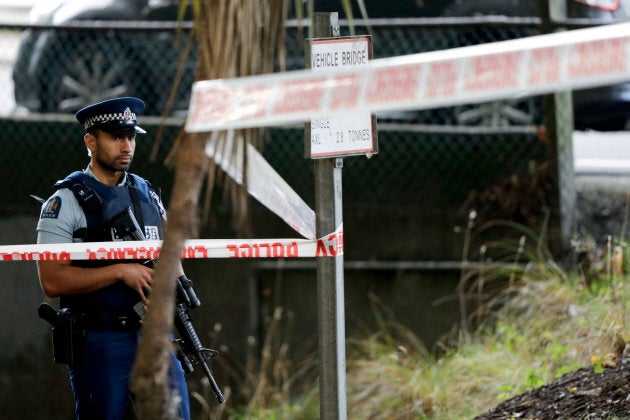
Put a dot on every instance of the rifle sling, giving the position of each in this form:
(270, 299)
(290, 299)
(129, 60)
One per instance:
(137, 210)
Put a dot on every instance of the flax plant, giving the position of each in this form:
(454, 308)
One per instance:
(235, 38)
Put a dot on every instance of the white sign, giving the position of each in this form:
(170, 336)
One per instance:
(343, 133)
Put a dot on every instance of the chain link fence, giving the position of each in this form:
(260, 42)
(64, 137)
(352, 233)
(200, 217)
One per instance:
(402, 204)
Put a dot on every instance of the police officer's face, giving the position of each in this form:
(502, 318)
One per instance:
(112, 151)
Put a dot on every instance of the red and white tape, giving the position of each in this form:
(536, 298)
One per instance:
(328, 246)
(527, 66)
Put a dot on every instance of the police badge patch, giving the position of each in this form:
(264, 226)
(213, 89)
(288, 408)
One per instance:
(51, 208)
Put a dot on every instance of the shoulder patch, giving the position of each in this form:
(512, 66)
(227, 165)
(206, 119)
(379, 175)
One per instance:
(51, 208)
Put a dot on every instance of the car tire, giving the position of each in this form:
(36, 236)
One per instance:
(85, 72)
(497, 114)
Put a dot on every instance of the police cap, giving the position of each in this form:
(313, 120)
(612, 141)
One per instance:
(116, 115)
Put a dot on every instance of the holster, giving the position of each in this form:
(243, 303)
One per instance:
(67, 338)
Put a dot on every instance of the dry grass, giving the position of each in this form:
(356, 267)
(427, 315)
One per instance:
(541, 324)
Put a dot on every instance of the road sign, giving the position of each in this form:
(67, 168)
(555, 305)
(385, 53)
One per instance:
(344, 133)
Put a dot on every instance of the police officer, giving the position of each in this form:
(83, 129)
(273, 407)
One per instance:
(107, 298)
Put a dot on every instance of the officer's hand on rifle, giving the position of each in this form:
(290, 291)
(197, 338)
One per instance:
(127, 228)
(137, 276)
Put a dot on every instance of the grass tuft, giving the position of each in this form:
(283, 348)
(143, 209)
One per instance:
(526, 321)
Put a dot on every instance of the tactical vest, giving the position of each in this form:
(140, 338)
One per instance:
(100, 203)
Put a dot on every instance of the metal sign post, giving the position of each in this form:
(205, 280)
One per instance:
(330, 293)
(330, 283)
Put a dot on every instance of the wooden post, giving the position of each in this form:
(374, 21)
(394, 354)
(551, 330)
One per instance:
(558, 111)
(330, 279)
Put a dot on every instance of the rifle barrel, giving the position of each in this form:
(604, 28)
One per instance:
(187, 332)
(213, 383)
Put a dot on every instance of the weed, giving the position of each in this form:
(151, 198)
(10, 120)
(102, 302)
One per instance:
(529, 322)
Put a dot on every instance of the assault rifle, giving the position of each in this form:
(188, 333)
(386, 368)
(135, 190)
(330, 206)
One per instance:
(125, 227)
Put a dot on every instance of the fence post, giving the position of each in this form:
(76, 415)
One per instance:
(558, 115)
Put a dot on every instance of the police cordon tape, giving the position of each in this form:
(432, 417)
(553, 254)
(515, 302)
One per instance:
(330, 245)
(263, 182)
(523, 67)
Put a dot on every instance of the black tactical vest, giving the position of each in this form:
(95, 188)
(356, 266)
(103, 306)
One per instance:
(101, 203)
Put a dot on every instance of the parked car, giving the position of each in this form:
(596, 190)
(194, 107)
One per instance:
(61, 69)
(604, 108)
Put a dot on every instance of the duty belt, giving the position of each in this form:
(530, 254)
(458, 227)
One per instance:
(109, 320)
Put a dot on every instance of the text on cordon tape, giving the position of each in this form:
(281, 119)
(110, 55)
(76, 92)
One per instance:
(330, 245)
(523, 67)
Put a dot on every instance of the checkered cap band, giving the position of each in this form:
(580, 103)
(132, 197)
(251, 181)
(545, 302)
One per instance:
(123, 118)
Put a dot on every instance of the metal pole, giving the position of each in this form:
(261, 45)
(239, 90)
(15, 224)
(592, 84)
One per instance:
(330, 281)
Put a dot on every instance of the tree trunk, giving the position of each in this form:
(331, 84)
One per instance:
(149, 382)
(235, 38)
